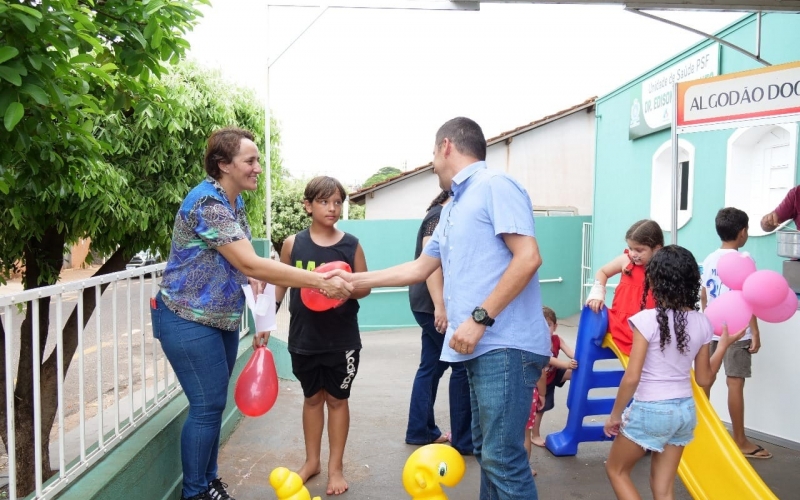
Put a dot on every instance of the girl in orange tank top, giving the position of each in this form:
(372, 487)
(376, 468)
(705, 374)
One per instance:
(644, 238)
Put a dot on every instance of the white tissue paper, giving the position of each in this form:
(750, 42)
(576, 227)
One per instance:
(263, 307)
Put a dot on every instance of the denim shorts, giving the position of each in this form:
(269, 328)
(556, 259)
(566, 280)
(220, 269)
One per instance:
(655, 424)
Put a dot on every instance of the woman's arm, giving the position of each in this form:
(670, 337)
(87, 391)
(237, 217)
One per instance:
(435, 284)
(286, 257)
(243, 257)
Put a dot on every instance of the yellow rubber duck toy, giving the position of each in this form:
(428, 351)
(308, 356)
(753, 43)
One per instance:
(430, 467)
(288, 485)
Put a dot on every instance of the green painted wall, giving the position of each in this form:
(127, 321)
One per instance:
(386, 243)
(623, 166)
(559, 241)
(390, 242)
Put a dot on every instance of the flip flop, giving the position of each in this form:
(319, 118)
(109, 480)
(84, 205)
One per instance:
(755, 453)
(444, 438)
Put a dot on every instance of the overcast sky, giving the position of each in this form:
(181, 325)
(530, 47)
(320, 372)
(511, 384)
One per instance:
(363, 89)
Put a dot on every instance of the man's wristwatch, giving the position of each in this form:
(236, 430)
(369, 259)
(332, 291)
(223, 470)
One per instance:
(479, 315)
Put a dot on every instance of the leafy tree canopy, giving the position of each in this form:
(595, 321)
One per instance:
(381, 175)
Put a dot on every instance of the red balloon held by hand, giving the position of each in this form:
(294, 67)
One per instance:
(257, 386)
(318, 301)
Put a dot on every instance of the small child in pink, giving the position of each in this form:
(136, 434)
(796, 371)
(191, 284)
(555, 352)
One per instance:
(539, 393)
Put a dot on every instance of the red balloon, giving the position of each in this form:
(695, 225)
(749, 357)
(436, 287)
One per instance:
(316, 301)
(257, 386)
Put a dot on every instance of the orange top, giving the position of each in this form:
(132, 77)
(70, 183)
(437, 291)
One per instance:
(627, 302)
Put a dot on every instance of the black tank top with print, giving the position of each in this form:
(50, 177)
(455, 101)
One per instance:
(334, 330)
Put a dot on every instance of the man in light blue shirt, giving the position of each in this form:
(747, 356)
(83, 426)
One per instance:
(486, 246)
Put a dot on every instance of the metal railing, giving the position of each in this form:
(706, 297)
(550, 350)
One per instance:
(586, 261)
(122, 377)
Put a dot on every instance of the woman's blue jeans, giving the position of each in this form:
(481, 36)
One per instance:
(202, 358)
(501, 388)
(422, 428)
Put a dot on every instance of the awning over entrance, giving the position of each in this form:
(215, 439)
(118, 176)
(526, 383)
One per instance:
(719, 5)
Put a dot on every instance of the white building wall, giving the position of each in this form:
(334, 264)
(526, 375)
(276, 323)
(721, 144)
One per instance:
(554, 162)
(406, 199)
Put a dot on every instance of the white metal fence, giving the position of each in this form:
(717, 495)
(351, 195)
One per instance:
(118, 376)
(586, 261)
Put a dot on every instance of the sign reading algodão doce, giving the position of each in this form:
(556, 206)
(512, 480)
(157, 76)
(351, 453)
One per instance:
(760, 93)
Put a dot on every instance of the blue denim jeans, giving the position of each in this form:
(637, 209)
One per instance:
(422, 428)
(203, 359)
(655, 424)
(501, 388)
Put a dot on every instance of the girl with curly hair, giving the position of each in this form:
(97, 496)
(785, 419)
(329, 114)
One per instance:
(666, 340)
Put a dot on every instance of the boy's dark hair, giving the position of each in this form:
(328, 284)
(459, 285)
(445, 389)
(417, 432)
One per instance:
(646, 232)
(466, 136)
(222, 146)
(730, 222)
(549, 315)
(323, 187)
(673, 276)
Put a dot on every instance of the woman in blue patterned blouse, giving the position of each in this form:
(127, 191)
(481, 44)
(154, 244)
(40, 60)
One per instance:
(197, 312)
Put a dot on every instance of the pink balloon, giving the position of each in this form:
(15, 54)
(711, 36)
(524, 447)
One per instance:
(764, 289)
(781, 312)
(730, 308)
(733, 268)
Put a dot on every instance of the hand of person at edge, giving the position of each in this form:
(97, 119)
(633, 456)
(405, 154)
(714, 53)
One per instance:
(260, 338)
(256, 285)
(440, 320)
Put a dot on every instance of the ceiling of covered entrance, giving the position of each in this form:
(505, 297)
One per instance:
(729, 5)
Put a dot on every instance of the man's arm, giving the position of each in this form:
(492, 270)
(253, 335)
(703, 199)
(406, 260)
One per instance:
(525, 261)
(435, 284)
(409, 273)
(783, 212)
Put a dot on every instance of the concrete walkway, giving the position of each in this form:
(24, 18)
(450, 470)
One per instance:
(376, 452)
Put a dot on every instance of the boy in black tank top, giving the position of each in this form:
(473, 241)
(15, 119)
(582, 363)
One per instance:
(324, 346)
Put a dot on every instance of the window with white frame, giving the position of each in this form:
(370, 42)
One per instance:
(661, 184)
(760, 169)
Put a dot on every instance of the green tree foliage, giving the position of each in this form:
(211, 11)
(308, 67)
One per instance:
(356, 212)
(288, 215)
(381, 175)
(100, 141)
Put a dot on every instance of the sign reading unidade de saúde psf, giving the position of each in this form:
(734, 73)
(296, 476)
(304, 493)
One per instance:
(651, 103)
(759, 93)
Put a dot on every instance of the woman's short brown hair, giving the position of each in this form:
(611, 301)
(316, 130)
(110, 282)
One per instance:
(223, 145)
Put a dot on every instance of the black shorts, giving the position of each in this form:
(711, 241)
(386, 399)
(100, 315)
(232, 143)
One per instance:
(332, 371)
(549, 399)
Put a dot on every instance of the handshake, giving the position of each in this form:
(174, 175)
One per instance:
(337, 280)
